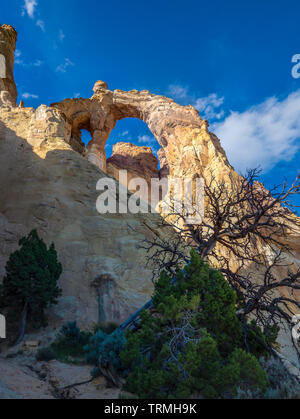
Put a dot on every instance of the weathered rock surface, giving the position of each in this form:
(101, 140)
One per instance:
(17, 382)
(139, 162)
(46, 185)
(8, 90)
(187, 147)
(22, 377)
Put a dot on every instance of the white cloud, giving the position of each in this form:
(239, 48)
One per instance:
(76, 95)
(41, 24)
(262, 135)
(29, 7)
(124, 136)
(177, 91)
(145, 139)
(29, 96)
(208, 107)
(62, 68)
(37, 63)
(61, 35)
(19, 61)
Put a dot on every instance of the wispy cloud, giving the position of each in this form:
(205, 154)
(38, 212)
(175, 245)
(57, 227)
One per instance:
(19, 61)
(41, 24)
(29, 96)
(177, 92)
(37, 63)
(61, 35)
(29, 7)
(124, 136)
(76, 95)
(146, 139)
(17, 57)
(263, 135)
(62, 68)
(208, 106)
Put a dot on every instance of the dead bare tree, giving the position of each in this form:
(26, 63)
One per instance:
(242, 220)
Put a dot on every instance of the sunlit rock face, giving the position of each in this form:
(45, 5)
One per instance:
(187, 146)
(8, 90)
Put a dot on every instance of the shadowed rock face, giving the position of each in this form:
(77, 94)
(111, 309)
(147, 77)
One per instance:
(139, 162)
(46, 185)
(8, 90)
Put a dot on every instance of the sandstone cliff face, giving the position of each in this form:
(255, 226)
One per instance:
(47, 185)
(48, 182)
(139, 160)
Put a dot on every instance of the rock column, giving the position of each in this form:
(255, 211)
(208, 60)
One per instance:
(8, 90)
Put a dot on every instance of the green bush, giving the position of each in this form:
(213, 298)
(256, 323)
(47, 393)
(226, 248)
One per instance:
(255, 336)
(71, 334)
(193, 342)
(70, 342)
(281, 384)
(107, 328)
(104, 349)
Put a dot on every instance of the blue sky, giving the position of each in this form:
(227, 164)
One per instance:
(231, 60)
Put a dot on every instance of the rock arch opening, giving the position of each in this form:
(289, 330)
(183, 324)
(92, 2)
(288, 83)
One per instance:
(86, 137)
(131, 130)
(175, 127)
(81, 134)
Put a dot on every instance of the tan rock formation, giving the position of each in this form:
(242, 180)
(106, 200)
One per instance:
(8, 90)
(139, 162)
(187, 145)
(46, 185)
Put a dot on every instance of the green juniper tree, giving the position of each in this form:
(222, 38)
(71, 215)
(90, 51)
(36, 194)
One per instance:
(30, 283)
(192, 340)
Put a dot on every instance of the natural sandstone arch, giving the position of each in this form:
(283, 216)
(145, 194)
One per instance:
(2, 67)
(186, 144)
